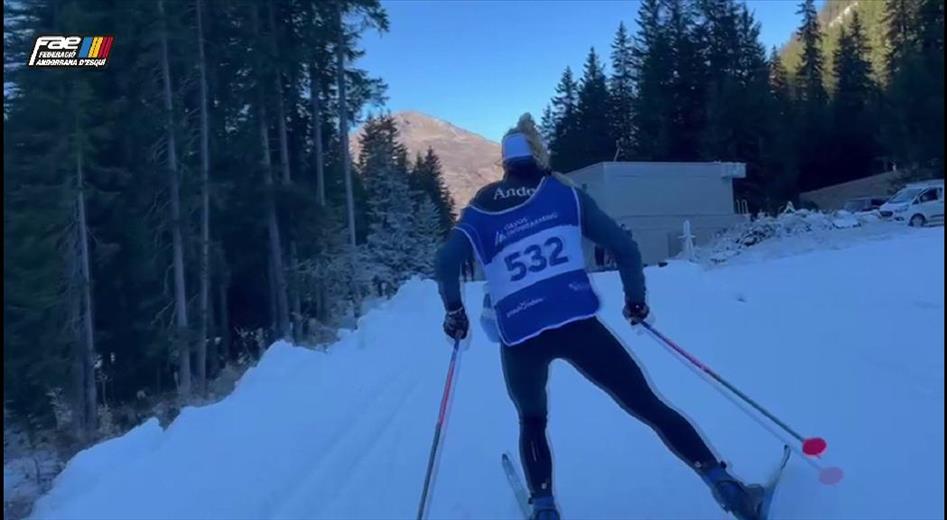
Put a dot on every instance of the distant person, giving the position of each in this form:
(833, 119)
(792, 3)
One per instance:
(527, 232)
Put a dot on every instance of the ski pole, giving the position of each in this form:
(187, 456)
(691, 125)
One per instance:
(812, 446)
(828, 475)
(445, 398)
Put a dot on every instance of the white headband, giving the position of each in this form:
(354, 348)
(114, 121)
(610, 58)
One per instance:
(516, 146)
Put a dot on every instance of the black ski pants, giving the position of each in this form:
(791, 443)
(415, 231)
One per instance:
(599, 356)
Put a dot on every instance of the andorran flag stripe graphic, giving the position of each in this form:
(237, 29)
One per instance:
(92, 46)
(96, 47)
(106, 47)
(86, 45)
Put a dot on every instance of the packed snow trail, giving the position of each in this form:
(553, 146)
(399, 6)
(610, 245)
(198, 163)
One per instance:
(845, 343)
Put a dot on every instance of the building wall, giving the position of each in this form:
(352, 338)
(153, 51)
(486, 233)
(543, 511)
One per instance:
(659, 238)
(654, 199)
(657, 194)
(590, 176)
(834, 197)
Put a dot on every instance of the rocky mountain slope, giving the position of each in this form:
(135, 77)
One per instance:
(469, 160)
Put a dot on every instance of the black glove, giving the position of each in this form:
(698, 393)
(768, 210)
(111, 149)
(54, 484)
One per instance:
(455, 323)
(636, 313)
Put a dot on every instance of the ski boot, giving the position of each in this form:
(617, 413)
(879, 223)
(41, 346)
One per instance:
(736, 498)
(544, 508)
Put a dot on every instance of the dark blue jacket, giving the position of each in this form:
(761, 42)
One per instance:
(514, 189)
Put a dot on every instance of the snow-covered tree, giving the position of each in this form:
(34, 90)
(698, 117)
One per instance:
(386, 256)
(428, 180)
(427, 235)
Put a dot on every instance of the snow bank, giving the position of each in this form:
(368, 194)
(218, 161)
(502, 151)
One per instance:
(87, 467)
(845, 341)
(26, 475)
(795, 231)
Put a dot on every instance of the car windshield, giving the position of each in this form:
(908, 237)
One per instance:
(905, 195)
(855, 205)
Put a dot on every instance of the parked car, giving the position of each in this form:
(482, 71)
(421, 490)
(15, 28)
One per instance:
(863, 204)
(918, 203)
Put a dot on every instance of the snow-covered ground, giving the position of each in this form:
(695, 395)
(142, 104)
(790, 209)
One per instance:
(844, 341)
(28, 469)
(790, 233)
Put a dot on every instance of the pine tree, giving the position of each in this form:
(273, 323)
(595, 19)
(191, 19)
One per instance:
(900, 35)
(853, 107)
(651, 58)
(755, 134)
(719, 38)
(547, 125)
(343, 117)
(812, 99)
(621, 93)
(780, 86)
(275, 234)
(387, 255)
(780, 158)
(931, 120)
(686, 84)
(315, 34)
(593, 129)
(930, 30)
(280, 67)
(182, 331)
(811, 90)
(914, 113)
(851, 67)
(428, 234)
(738, 126)
(328, 283)
(563, 147)
(205, 268)
(725, 96)
(428, 178)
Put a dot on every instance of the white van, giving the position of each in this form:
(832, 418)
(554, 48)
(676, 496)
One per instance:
(918, 203)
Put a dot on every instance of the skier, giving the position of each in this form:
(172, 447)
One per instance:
(526, 231)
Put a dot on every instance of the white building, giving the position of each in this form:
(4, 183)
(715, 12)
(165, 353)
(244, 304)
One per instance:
(654, 199)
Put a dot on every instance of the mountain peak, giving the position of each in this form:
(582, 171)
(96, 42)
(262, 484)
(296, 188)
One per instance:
(416, 115)
(469, 161)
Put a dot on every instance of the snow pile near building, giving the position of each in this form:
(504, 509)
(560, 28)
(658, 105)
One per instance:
(794, 231)
(846, 342)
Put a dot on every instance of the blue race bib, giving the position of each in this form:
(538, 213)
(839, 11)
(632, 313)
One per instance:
(533, 259)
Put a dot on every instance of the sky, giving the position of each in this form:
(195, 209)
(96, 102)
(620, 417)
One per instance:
(479, 64)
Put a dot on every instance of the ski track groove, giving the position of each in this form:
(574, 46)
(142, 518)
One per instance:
(346, 446)
(388, 423)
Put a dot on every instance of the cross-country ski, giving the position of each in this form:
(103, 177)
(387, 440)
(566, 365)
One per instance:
(516, 485)
(769, 488)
